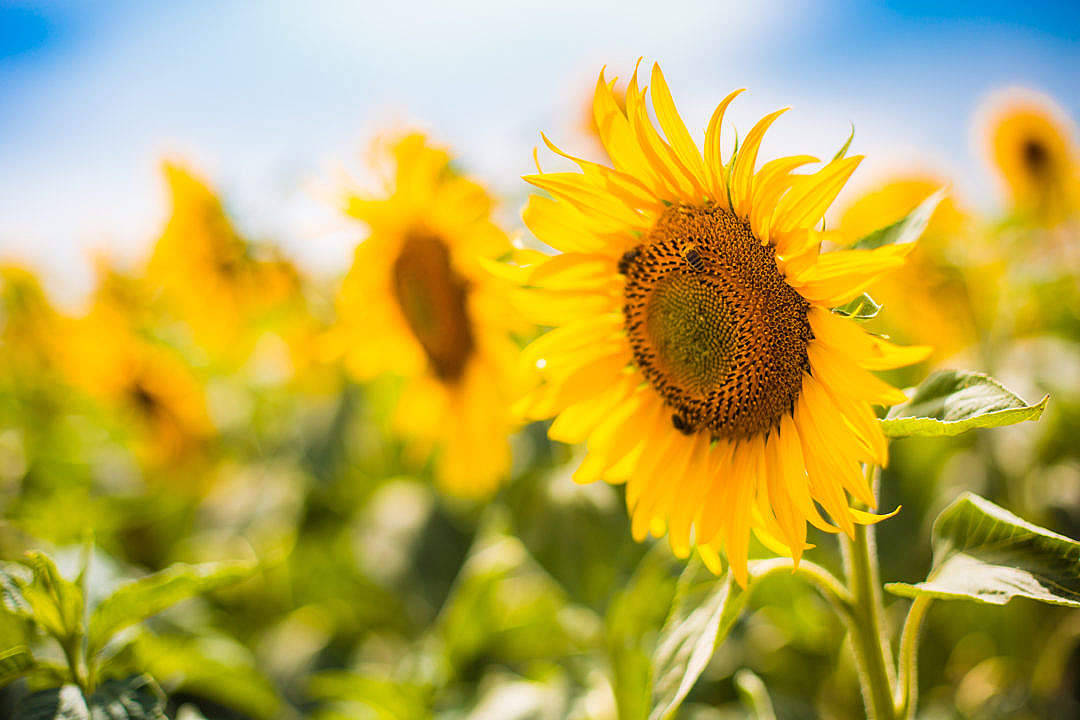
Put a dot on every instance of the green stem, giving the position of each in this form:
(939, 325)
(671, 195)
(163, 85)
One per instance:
(867, 632)
(71, 646)
(908, 685)
(824, 581)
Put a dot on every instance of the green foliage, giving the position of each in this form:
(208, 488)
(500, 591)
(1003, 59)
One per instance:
(139, 599)
(905, 230)
(216, 668)
(15, 663)
(633, 616)
(950, 402)
(703, 613)
(135, 698)
(55, 603)
(754, 695)
(386, 699)
(983, 552)
(61, 703)
(36, 591)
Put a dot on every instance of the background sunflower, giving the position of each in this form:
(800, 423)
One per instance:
(419, 303)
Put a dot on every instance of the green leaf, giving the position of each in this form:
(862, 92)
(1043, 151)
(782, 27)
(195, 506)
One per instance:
(703, 613)
(15, 663)
(11, 595)
(754, 695)
(906, 230)
(135, 698)
(385, 698)
(61, 703)
(137, 600)
(950, 402)
(57, 603)
(983, 552)
(636, 610)
(215, 668)
(861, 308)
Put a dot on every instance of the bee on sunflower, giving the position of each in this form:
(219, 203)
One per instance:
(419, 302)
(1029, 142)
(694, 348)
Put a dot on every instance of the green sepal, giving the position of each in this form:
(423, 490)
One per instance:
(862, 307)
(846, 146)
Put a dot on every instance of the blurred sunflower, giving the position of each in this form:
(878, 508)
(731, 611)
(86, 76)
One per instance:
(218, 284)
(418, 302)
(28, 321)
(931, 287)
(1030, 145)
(694, 348)
(110, 354)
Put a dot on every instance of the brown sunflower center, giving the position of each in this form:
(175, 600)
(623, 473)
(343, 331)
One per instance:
(143, 399)
(712, 323)
(1036, 157)
(432, 297)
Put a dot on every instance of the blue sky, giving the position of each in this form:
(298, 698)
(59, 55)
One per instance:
(267, 99)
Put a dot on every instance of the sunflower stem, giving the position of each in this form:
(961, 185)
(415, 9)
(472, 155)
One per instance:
(872, 655)
(908, 683)
(823, 581)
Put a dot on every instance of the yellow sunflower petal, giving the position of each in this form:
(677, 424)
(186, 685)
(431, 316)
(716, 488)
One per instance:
(674, 128)
(869, 351)
(837, 277)
(805, 204)
(742, 173)
(714, 161)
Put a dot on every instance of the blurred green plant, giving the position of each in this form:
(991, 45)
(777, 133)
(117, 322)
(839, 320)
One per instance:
(54, 612)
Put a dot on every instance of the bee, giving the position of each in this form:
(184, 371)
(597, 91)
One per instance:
(628, 259)
(693, 258)
(681, 424)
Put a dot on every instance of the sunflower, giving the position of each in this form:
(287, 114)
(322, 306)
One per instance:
(694, 349)
(112, 355)
(213, 280)
(931, 286)
(28, 322)
(1030, 144)
(419, 303)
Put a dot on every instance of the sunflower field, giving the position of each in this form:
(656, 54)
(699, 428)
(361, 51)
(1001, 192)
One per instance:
(672, 421)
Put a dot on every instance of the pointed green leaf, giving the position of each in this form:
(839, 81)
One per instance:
(14, 663)
(703, 613)
(134, 602)
(862, 307)
(906, 230)
(983, 552)
(57, 603)
(950, 402)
